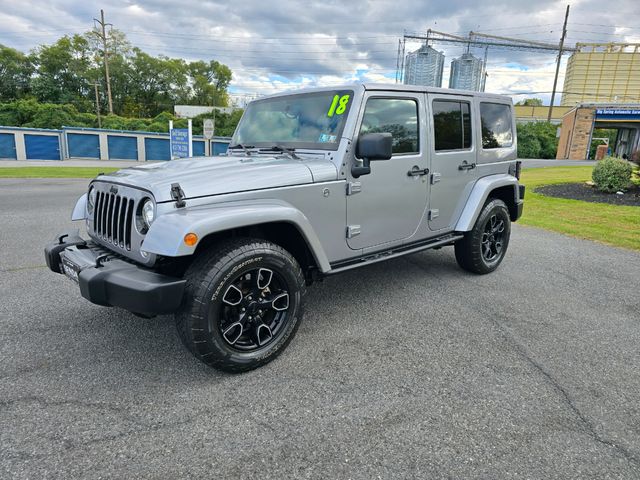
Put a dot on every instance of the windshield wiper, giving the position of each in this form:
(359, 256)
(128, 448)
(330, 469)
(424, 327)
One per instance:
(280, 148)
(245, 148)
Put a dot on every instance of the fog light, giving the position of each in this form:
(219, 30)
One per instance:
(190, 239)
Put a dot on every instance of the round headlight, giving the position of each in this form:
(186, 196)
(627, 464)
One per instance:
(91, 200)
(148, 213)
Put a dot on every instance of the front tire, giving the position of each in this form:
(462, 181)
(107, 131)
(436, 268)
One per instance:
(483, 248)
(242, 305)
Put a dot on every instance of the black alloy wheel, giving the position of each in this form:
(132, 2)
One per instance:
(482, 249)
(492, 238)
(242, 304)
(254, 309)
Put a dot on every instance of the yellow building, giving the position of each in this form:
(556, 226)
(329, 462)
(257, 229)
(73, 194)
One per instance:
(602, 72)
(539, 113)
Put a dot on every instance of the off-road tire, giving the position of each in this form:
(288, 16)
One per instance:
(470, 254)
(198, 319)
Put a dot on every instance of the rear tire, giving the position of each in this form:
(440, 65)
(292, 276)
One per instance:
(483, 248)
(242, 304)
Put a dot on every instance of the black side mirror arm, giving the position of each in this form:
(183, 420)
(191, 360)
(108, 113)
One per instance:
(365, 169)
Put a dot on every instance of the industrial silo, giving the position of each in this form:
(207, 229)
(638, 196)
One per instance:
(467, 73)
(424, 67)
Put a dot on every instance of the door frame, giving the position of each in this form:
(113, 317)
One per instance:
(421, 159)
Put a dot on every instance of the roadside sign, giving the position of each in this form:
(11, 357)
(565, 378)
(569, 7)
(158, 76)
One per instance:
(207, 129)
(179, 142)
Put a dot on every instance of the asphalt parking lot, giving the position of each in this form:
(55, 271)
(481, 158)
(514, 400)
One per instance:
(410, 368)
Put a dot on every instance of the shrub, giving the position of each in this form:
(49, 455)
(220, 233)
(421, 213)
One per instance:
(611, 175)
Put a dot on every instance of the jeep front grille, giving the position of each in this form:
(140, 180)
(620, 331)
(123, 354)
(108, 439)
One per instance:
(113, 219)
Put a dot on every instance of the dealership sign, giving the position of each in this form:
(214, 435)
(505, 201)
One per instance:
(179, 142)
(618, 113)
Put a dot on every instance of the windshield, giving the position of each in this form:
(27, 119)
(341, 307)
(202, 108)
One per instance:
(305, 120)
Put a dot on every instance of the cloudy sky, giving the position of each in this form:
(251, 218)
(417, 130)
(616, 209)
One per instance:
(275, 45)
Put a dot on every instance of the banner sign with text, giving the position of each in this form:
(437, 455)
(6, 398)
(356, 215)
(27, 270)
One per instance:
(618, 114)
(179, 142)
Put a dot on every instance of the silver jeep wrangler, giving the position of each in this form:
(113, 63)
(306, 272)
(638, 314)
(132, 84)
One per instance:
(314, 183)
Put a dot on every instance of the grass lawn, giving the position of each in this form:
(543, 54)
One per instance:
(53, 172)
(610, 224)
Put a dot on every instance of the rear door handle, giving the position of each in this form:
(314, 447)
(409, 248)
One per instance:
(416, 171)
(466, 166)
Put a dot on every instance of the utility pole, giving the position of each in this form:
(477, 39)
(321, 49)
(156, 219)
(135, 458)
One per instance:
(555, 80)
(103, 37)
(95, 85)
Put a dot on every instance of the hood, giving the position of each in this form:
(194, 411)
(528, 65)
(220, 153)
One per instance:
(204, 176)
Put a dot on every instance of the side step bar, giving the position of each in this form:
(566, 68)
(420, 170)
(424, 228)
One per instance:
(393, 253)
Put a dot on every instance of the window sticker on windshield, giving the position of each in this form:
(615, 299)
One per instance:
(325, 138)
(338, 105)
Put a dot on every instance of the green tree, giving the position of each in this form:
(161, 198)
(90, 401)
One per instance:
(537, 140)
(530, 102)
(63, 72)
(15, 74)
(155, 83)
(119, 50)
(209, 83)
(142, 85)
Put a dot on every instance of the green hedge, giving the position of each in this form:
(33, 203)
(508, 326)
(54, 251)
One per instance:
(32, 114)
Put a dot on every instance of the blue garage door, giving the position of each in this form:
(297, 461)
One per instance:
(82, 145)
(7, 146)
(219, 147)
(198, 148)
(156, 149)
(122, 148)
(42, 147)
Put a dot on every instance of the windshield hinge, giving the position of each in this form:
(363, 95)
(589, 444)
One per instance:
(178, 195)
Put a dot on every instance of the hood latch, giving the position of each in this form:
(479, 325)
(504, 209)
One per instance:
(178, 195)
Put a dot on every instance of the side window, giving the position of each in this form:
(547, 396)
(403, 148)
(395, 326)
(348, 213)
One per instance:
(496, 125)
(394, 115)
(451, 125)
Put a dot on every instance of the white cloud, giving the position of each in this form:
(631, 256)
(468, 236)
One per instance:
(281, 44)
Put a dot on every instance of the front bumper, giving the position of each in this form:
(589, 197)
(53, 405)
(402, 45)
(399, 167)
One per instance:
(106, 279)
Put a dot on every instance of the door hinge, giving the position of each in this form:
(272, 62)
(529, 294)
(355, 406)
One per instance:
(353, 188)
(435, 178)
(353, 230)
(433, 214)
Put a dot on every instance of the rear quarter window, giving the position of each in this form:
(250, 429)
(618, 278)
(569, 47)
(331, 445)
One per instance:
(497, 130)
(451, 125)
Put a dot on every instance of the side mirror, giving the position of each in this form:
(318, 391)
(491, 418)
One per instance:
(372, 146)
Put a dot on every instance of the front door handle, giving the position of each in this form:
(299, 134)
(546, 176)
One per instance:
(466, 166)
(416, 171)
